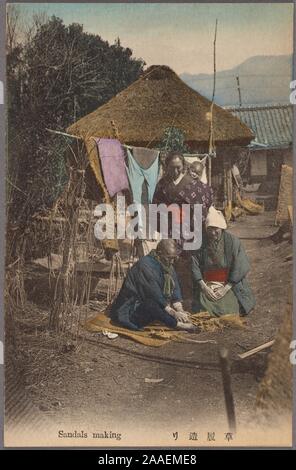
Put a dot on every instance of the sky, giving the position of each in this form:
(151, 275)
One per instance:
(181, 35)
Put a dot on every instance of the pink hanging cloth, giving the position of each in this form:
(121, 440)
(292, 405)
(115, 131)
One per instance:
(113, 166)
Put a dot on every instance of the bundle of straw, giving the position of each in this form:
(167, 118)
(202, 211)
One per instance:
(250, 206)
(208, 322)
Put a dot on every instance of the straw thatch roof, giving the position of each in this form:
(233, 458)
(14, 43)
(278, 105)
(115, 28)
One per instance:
(157, 100)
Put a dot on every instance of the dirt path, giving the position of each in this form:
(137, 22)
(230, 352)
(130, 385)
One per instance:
(103, 382)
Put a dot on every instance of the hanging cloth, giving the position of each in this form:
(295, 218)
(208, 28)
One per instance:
(138, 174)
(145, 157)
(92, 153)
(113, 165)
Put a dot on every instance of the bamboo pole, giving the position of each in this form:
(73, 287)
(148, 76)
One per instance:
(210, 171)
(211, 140)
(226, 378)
(64, 134)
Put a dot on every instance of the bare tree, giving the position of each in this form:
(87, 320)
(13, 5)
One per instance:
(21, 28)
(33, 24)
(13, 15)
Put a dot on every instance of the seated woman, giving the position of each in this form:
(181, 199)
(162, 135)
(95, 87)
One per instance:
(151, 292)
(219, 270)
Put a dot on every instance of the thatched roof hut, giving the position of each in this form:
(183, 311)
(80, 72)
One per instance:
(157, 100)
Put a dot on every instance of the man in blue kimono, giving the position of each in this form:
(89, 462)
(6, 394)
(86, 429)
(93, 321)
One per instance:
(219, 270)
(151, 292)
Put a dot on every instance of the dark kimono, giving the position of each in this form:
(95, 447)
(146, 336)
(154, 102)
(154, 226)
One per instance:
(231, 267)
(142, 294)
(187, 191)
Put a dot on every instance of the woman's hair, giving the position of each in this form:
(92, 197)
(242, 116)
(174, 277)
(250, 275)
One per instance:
(172, 156)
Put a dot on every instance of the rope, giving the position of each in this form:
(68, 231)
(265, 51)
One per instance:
(214, 366)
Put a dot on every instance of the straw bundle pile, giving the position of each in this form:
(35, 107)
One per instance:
(207, 322)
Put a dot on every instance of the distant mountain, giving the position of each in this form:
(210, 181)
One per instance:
(262, 79)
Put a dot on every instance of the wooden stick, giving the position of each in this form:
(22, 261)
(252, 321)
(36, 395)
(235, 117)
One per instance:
(229, 402)
(214, 84)
(255, 350)
(211, 141)
(64, 134)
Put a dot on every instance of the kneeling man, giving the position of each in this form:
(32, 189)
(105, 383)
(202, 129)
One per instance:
(151, 292)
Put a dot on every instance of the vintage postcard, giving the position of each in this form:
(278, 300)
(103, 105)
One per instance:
(149, 220)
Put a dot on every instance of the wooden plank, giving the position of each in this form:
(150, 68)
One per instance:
(255, 350)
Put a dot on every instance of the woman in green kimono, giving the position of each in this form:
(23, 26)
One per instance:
(219, 270)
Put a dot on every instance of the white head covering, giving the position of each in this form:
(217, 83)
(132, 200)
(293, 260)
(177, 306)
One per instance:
(215, 219)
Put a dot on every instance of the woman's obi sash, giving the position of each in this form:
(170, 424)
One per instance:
(216, 275)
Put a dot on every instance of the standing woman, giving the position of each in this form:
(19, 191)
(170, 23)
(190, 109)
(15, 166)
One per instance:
(178, 187)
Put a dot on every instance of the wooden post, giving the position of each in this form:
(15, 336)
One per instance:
(210, 171)
(226, 378)
(229, 179)
(227, 188)
(239, 90)
(212, 138)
